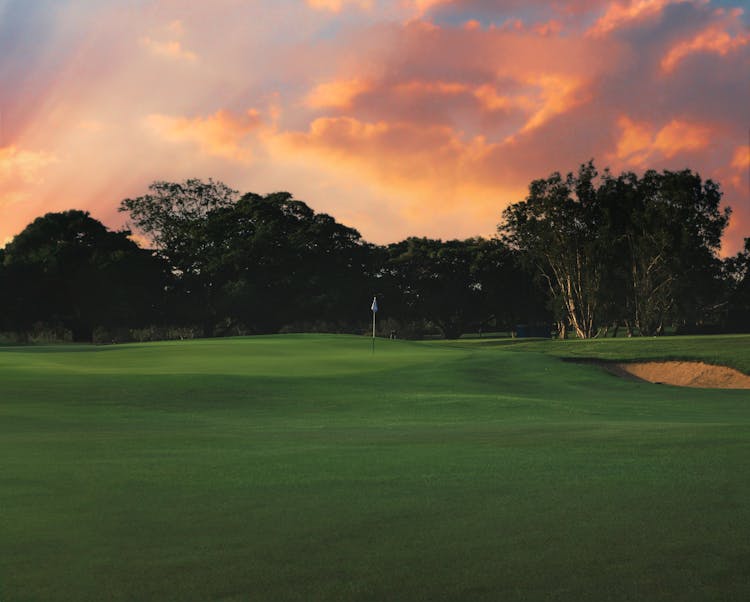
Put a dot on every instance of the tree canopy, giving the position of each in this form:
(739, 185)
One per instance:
(67, 269)
(588, 251)
(643, 251)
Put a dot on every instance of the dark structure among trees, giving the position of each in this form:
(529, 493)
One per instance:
(591, 253)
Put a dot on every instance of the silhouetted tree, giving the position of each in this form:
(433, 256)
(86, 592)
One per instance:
(458, 285)
(68, 269)
(174, 217)
(672, 236)
(260, 261)
(737, 278)
(277, 262)
(559, 229)
(640, 250)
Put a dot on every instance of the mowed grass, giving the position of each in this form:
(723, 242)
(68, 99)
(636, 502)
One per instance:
(307, 468)
(722, 350)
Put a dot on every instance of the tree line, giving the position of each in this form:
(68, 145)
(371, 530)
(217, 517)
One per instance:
(585, 253)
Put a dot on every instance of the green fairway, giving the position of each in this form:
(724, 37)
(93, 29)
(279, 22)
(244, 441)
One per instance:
(303, 467)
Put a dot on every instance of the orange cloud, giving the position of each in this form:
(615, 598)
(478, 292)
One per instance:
(335, 6)
(741, 157)
(25, 166)
(431, 87)
(735, 181)
(427, 176)
(740, 166)
(21, 174)
(557, 94)
(680, 136)
(222, 134)
(622, 13)
(551, 27)
(361, 140)
(545, 97)
(402, 154)
(739, 169)
(337, 94)
(171, 49)
(490, 100)
(639, 142)
(408, 127)
(713, 39)
(422, 6)
(635, 140)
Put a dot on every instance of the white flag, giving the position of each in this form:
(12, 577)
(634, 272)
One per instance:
(374, 306)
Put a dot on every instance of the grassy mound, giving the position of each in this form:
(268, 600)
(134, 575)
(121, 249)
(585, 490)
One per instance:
(307, 468)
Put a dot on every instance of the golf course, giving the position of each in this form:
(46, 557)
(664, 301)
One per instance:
(307, 467)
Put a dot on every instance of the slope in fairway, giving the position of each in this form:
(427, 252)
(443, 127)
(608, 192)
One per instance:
(306, 468)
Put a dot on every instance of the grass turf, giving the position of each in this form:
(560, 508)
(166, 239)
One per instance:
(305, 468)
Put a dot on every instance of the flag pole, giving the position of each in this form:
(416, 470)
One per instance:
(374, 308)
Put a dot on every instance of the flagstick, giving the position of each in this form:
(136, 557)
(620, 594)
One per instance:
(374, 309)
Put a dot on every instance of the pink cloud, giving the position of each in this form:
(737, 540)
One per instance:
(421, 7)
(551, 27)
(336, 6)
(641, 142)
(558, 93)
(392, 113)
(619, 14)
(23, 166)
(681, 136)
(713, 39)
(741, 157)
(222, 134)
(171, 49)
(337, 94)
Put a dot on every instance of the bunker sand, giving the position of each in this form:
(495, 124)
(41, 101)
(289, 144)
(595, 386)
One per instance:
(683, 374)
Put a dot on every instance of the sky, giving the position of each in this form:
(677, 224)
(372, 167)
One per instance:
(397, 117)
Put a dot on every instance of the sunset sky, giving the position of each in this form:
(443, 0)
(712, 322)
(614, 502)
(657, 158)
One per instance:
(397, 117)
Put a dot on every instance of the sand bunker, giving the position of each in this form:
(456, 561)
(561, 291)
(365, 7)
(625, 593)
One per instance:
(684, 374)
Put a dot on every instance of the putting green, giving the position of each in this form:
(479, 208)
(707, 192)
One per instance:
(303, 467)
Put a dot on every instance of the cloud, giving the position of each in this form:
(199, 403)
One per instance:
(714, 39)
(22, 173)
(421, 7)
(392, 113)
(398, 156)
(640, 142)
(336, 94)
(18, 166)
(557, 95)
(171, 49)
(741, 157)
(738, 175)
(735, 180)
(396, 152)
(551, 27)
(619, 14)
(635, 141)
(222, 134)
(420, 180)
(336, 6)
(680, 136)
